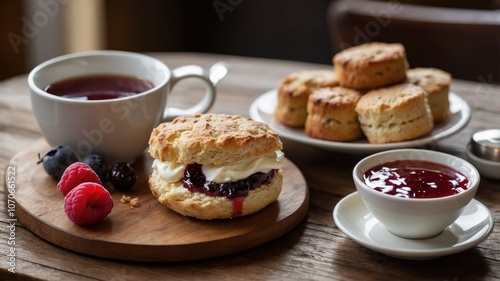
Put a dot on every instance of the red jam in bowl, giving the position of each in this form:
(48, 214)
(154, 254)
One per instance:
(415, 179)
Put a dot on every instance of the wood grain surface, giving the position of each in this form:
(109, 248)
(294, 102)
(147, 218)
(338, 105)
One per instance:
(314, 250)
(150, 231)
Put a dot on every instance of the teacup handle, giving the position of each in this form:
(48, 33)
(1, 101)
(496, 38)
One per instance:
(212, 77)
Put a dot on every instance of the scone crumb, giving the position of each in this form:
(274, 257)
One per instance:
(134, 202)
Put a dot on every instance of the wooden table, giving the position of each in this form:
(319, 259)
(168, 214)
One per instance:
(315, 250)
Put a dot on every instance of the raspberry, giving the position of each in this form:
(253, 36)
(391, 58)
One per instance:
(88, 203)
(76, 174)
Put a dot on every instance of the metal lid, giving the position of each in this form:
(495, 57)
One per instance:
(486, 144)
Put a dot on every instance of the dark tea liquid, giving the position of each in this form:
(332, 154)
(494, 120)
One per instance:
(99, 87)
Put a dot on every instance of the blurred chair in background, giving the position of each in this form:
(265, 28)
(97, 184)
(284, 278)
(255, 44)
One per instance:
(463, 42)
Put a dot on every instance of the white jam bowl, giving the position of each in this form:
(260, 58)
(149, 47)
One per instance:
(415, 218)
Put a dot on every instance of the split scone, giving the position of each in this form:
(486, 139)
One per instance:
(215, 166)
(436, 84)
(371, 65)
(332, 115)
(396, 113)
(294, 90)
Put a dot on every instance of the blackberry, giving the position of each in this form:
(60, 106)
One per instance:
(122, 176)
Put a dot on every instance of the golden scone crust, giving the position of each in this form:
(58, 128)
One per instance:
(332, 114)
(395, 113)
(294, 90)
(436, 84)
(194, 204)
(216, 139)
(371, 65)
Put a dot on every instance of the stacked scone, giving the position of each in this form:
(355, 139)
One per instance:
(215, 166)
(332, 115)
(395, 113)
(293, 93)
(376, 97)
(436, 84)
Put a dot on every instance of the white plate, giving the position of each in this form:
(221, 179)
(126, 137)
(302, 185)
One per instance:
(471, 228)
(262, 110)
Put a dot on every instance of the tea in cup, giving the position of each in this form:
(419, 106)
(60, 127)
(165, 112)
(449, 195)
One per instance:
(108, 102)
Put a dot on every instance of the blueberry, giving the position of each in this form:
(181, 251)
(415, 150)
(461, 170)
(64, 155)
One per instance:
(57, 160)
(98, 163)
(122, 176)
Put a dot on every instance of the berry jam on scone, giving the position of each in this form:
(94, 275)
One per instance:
(215, 166)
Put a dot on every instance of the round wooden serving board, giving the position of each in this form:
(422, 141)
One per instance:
(149, 232)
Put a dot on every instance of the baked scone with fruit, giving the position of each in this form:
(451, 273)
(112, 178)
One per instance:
(294, 90)
(396, 113)
(436, 84)
(332, 115)
(371, 65)
(215, 166)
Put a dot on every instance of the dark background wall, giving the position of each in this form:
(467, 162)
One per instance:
(282, 29)
(12, 59)
(293, 29)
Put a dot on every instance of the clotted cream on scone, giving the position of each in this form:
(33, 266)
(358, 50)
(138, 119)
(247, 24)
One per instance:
(215, 166)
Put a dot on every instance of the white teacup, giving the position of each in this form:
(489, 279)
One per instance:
(117, 128)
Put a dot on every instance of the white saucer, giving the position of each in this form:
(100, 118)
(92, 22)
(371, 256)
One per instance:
(473, 227)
